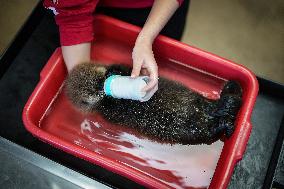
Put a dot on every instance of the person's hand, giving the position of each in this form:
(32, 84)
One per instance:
(142, 55)
(144, 63)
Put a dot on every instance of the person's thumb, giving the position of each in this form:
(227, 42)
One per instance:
(136, 69)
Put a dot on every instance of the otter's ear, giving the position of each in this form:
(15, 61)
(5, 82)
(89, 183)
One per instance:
(101, 70)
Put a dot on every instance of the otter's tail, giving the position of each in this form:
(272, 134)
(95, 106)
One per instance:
(228, 107)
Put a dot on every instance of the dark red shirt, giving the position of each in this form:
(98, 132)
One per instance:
(75, 17)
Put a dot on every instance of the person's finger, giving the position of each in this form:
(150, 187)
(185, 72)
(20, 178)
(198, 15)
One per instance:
(153, 81)
(150, 85)
(136, 69)
(152, 69)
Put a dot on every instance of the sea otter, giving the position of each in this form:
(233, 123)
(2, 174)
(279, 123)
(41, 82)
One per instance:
(175, 114)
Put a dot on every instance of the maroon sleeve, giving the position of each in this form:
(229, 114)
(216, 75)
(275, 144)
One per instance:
(74, 18)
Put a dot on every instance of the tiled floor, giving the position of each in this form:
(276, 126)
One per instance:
(249, 32)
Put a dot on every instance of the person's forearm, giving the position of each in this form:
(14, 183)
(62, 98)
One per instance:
(160, 14)
(76, 54)
(142, 54)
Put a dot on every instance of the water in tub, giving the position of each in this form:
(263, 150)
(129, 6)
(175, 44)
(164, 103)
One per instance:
(175, 165)
(179, 166)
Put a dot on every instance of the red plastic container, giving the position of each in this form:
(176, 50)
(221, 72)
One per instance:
(199, 70)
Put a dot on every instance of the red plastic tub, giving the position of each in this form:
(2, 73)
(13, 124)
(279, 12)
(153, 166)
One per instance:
(49, 116)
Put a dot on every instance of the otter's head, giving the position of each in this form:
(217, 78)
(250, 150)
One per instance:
(84, 85)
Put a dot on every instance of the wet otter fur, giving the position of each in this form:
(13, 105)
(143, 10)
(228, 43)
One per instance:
(175, 114)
